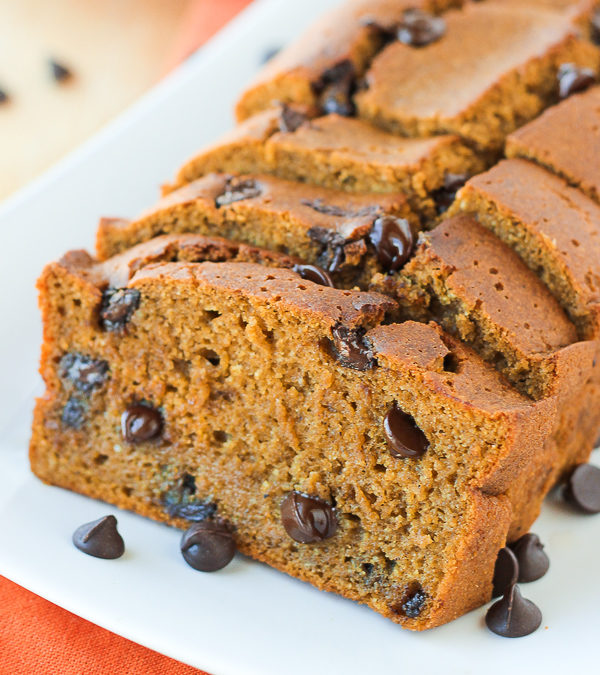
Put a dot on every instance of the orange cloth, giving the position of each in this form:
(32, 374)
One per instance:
(39, 637)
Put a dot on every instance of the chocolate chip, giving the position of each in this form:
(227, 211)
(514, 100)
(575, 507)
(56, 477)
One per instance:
(444, 196)
(59, 71)
(73, 414)
(307, 519)
(418, 28)
(237, 189)
(403, 436)
(320, 206)
(513, 616)
(118, 306)
(572, 79)
(83, 371)
(506, 571)
(208, 546)
(290, 119)
(180, 501)
(533, 562)
(393, 241)
(413, 601)
(351, 349)
(4, 97)
(141, 423)
(314, 274)
(100, 538)
(335, 89)
(583, 488)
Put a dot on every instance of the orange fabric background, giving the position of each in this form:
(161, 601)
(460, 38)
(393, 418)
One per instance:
(39, 637)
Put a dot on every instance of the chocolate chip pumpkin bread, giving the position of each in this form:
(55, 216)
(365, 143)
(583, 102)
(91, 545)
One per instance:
(246, 392)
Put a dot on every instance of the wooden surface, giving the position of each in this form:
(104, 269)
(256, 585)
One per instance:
(116, 49)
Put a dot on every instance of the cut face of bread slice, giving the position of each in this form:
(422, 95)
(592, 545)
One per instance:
(324, 227)
(480, 89)
(252, 389)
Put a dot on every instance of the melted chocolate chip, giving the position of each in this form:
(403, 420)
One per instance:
(572, 79)
(351, 349)
(583, 488)
(141, 423)
(414, 599)
(100, 538)
(393, 241)
(83, 371)
(335, 89)
(444, 196)
(118, 306)
(506, 571)
(314, 274)
(513, 616)
(208, 546)
(418, 28)
(307, 519)
(73, 414)
(4, 97)
(533, 562)
(180, 501)
(59, 71)
(237, 189)
(290, 119)
(403, 436)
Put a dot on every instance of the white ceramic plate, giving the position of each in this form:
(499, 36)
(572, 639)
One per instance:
(247, 619)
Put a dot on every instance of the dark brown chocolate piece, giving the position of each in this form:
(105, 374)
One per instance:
(419, 29)
(506, 571)
(444, 196)
(307, 519)
(403, 436)
(100, 538)
(583, 488)
(290, 119)
(513, 616)
(335, 89)
(533, 562)
(73, 414)
(141, 423)
(351, 349)
(59, 71)
(572, 79)
(314, 274)
(180, 501)
(237, 189)
(83, 371)
(412, 602)
(393, 241)
(208, 546)
(118, 306)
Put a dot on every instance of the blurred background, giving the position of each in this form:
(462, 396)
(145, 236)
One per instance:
(69, 66)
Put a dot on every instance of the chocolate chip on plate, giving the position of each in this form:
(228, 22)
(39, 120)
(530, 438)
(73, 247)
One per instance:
(83, 371)
(208, 546)
(583, 488)
(403, 436)
(419, 29)
(290, 119)
(118, 306)
(350, 348)
(533, 562)
(237, 189)
(572, 79)
(313, 273)
(506, 571)
(444, 196)
(59, 71)
(100, 538)
(513, 616)
(141, 423)
(73, 414)
(307, 519)
(393, 241)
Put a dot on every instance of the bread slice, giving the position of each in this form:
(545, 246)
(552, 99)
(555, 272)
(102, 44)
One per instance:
(253, 384)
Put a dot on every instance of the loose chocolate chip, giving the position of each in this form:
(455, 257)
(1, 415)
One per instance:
(572, 79)
(237, 189)
(59, 71)
(73, 414)
(118, 306)
(208, 546)
(351, 349)
(414, 599)
(290, 119)
(418, 28)
(100, 538)
(307, 519)
(513, 616)
(83, 371)
(314, 274)
(4, 97)
(583, 488)
(506, 571)
(393, 241)
(533, 562)
(141, 423)
(444, 196)
(403, 436)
